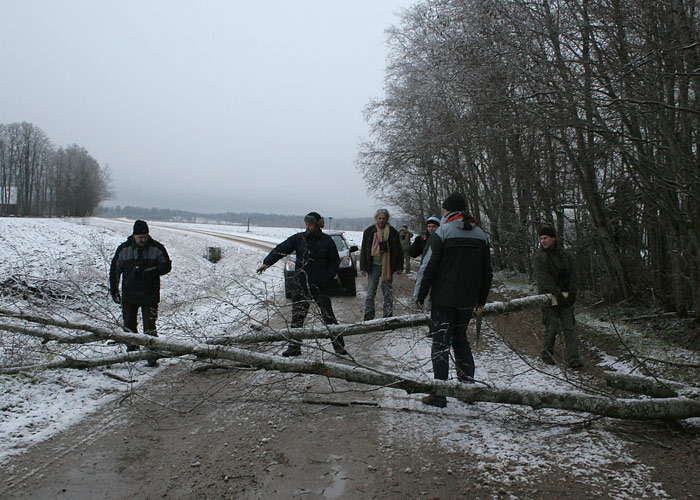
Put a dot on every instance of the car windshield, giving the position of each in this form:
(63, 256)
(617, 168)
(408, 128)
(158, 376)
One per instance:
(339, 242)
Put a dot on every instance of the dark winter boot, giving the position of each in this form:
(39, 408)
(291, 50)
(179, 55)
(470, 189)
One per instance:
(575, 364)
(432, 400)
(339, 347)
(292, 350)
(548, 359)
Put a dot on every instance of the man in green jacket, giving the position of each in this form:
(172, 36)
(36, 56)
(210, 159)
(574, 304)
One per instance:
(555, 274)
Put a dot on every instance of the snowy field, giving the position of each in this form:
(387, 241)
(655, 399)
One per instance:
(70, 260)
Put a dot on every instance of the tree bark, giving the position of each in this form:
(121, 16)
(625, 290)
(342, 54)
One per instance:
(664, 408)
(375, 325)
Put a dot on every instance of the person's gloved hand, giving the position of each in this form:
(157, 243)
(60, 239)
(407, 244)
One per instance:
(561, 300)
(116, 297)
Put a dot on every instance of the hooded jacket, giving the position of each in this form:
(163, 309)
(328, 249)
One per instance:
(456, 268)
(317, 258)
(141, 269)
(554, 271)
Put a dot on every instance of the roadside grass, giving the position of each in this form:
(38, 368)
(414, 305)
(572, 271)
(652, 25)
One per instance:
(654, 347)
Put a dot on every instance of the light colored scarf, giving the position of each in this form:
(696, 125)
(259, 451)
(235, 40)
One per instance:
(382, 235)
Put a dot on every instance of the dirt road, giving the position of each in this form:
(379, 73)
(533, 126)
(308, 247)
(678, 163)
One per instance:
(216, 433)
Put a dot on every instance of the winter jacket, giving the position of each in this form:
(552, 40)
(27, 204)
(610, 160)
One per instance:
(141, 268)
(317, 258)
(396, 254)
(456, 268)
(555, 273)
(405, 239)
(418, 245)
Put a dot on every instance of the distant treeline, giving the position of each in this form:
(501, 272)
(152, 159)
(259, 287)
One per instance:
(36, 178)
(256, 219)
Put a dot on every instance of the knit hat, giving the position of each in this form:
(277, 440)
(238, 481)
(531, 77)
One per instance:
(140, 227)
(548, 231)
(314, 218)
(433, 219)
(455, 203)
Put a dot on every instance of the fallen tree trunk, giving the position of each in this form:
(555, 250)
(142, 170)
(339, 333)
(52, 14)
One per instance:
(667, 408)
(375, 325)
(48, 335)
(655, 387)
(69, 362)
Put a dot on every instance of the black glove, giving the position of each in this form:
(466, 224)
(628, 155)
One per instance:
(571, 299)
(561, 300)
(116, 297)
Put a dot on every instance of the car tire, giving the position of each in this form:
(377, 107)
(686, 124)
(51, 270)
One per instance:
(350, 289)
(287, 288)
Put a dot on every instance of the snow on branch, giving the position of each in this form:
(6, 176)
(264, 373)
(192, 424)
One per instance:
(376, 325)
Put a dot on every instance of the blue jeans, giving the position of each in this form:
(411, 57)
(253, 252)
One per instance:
(449, 326)
(373, 277)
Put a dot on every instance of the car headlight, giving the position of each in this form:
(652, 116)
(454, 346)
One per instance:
(289, 266)
(345, 262)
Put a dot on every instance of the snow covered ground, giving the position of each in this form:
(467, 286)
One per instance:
(70, 259)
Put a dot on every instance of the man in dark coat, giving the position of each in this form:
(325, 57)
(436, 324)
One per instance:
(317, 262)
(380, 257)
(419, 243)
(456, 271)
(555, 274)
(405, 238)
(141, 261)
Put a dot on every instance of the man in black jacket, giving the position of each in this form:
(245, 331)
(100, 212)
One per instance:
(141, 261)
(456, 271)
(420, 242)
(317, 262)
(380, 257)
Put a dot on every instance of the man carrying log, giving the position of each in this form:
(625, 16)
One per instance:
(456, 271)
(555, 274)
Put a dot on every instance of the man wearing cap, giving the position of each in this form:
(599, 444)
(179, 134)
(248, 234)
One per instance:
(418, 248)
(554, 271)
(141, 261)
(405, 238)
(317, 262)
(380, 257)
(456, 272)
(419, 243)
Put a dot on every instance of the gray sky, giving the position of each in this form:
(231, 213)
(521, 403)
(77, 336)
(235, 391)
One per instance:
(207, 106)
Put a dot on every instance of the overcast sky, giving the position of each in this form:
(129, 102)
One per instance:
(208, 106)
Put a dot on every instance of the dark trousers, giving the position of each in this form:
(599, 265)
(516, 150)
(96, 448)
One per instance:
(449, 327)
(301, 300)
(149, 315)
(556, 319)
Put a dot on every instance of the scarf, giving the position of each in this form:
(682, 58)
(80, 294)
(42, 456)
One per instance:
(382, 235)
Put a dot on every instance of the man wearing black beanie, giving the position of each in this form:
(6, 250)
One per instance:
(555, 274)
(456, 273)
(141, 261)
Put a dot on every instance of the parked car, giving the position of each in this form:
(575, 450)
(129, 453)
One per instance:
(344, 282)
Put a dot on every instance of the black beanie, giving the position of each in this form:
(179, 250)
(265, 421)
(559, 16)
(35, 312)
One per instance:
(455, 203)
(548, 231)
(140, 227)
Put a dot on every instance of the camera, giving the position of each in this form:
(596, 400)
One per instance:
(383, 246)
